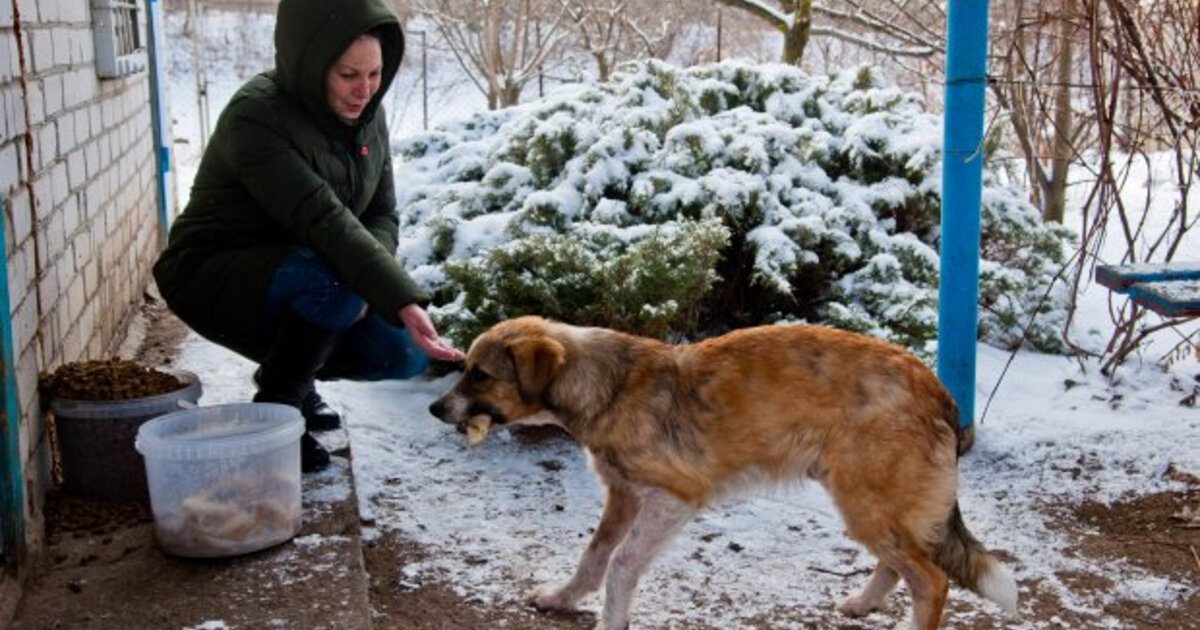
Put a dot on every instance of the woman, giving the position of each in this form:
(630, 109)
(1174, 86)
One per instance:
(285, 252)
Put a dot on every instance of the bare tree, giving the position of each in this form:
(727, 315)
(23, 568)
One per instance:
(1036, 78)
(501, 44)
(897, 28)
(612, 31)
(1144, 83)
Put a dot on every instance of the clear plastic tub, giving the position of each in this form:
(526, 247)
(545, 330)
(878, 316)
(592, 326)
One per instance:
(225, 479)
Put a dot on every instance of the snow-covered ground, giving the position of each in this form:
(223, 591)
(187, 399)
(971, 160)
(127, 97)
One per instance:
(509, 515)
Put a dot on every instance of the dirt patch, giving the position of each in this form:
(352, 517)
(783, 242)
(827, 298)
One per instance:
(164, 333)
(399, 603)
(1150, 532)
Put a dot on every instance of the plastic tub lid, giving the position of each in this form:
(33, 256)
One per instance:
(219, 431)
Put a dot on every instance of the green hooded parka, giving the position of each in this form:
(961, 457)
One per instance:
(281, 170)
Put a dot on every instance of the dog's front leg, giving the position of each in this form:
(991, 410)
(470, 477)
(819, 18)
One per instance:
(660, 516)
(620, 507)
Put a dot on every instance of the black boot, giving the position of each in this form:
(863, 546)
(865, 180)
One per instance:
(313, 456)
(286, 375)
(318, 415)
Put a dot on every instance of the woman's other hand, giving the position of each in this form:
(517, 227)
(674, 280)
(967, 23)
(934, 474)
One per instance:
(420, 329)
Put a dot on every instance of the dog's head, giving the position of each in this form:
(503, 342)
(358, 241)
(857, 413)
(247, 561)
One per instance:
(506, 377)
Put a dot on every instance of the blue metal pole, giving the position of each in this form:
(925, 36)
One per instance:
(158, 115)
(12, 485)
(962, 181)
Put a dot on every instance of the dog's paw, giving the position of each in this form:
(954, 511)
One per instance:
(857, 606)
(552, 598)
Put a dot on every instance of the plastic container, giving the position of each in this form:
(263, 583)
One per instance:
(225, 479)
(95, 440)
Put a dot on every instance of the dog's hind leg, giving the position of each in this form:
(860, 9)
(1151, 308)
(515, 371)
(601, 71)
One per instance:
(620, 507)
(659, 517)
(928, 585)
(872, 597)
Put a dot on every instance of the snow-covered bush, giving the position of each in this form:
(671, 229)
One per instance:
(687, 201)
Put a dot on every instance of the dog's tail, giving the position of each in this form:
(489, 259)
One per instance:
(969, 564)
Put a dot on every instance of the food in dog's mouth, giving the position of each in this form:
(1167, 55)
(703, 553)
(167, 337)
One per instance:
(477, 429)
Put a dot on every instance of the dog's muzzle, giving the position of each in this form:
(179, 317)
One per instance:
(456, 411)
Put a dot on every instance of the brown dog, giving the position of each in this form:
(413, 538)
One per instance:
(670, 428)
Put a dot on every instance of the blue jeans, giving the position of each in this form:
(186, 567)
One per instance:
(370, 349)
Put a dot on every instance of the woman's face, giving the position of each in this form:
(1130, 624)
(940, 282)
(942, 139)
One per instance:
(354, 78)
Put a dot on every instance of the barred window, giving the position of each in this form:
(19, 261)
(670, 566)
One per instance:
(120, 45)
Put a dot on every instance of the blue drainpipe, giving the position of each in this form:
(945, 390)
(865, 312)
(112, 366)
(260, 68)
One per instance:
(12, 485)
(962, 182)
(158, 114)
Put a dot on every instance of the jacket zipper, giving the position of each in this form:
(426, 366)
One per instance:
(355, 176)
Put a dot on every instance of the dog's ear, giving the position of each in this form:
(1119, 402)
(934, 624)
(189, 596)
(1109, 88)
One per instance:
(538, 360)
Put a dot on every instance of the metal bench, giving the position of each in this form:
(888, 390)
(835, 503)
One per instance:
(1169, 289)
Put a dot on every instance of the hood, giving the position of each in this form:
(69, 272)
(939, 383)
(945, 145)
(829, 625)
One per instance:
(311, 34)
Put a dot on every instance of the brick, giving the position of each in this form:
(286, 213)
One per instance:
(108, 113)
(76, 169)
(8, 57)
(42, 44)
(16, 270)
(49, 11)
(52, 103)
(54, 240)
(85, 53)
(94, 199)
(71, 214)
(91, 276)
(75, 13)
(22, 220)
(61, 40)
(104, 142)
(83, 252)
(83, 126)
(35, 98)
(12, 117)
(10, 165)
(43, 194)
(47, 147)
(60, 185)
(91, 154)
(96, 116)
(79, 88)
(21, 294)
(65, 127)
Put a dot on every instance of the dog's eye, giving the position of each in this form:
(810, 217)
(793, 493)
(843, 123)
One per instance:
(476, 375)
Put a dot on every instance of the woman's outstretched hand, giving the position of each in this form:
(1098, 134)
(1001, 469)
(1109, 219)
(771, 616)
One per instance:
(420, 329)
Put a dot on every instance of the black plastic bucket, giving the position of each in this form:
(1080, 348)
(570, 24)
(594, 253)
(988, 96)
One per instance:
(96, 437)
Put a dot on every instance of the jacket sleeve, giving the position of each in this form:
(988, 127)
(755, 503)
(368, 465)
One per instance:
(261, 150)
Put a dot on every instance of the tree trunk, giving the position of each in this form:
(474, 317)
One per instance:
(1064, 128)
(795, 40)
(795, 33)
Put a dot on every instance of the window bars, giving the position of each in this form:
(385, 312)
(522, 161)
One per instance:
(120, 44)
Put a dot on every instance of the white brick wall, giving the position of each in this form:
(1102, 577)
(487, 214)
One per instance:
(77, 176)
